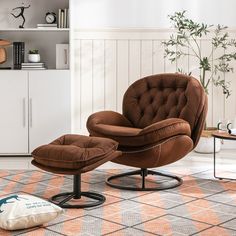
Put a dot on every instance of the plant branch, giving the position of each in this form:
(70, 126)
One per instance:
(188, 33)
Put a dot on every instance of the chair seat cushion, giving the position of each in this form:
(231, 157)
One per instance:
(135, 137)
(74, 152)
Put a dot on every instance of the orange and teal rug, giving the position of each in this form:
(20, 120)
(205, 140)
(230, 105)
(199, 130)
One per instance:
(202, 206)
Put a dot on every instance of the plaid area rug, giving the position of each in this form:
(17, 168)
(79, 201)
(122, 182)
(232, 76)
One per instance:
(202, 205)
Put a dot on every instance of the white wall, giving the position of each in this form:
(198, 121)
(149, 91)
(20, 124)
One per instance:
(150, 13)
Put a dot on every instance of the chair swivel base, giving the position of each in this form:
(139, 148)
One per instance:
(144, 173)
(71, 195)
(63, 199)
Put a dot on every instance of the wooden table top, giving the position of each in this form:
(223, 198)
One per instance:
(223, 135)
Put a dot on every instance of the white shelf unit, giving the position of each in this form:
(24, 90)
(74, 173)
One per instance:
(36, 103)
(36, 109)
(44, 40)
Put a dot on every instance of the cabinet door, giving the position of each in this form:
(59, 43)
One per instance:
(14, 110)
(49, 106)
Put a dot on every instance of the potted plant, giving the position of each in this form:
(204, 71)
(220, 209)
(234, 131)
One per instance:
(34, 56)
(185, 42)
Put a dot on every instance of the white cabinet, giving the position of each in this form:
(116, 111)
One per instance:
(49, 106)
(35, 109)
(14, 112)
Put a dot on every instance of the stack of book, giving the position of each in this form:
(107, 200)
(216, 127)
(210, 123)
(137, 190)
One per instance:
(63, 18)
(18, 54)
(33, 66)
(46, 26)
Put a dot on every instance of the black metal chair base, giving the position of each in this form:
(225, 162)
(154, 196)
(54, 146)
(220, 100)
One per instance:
(144, 173)
(69, 196)
(63, 199)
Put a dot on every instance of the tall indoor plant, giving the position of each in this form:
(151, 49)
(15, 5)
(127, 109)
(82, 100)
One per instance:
(185, 41)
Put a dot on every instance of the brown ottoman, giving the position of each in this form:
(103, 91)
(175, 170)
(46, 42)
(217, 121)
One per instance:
(74, 155)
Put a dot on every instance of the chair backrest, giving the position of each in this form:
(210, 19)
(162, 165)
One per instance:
(171, 95)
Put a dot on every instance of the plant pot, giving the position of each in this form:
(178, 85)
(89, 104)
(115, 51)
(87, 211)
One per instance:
(34, 58)
(206, 142)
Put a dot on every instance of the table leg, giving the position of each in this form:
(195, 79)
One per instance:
(214, 154)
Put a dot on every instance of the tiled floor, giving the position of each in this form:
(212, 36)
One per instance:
(201, 206)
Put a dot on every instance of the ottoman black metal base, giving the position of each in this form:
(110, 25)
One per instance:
(144, 173)
(63, 199)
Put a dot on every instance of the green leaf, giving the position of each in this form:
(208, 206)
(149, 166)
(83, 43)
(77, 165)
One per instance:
(188, 32)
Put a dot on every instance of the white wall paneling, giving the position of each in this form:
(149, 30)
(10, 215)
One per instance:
(218, 100)
(98, 75)
(134, 60)
(110, 76)
(206, 50)
(230, 103)
(158, 52)
(146, 57)
(122, 70)
(86, 77)
(107, 61)
(76, 83)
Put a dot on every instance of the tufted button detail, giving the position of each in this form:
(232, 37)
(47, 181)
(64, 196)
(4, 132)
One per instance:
(164, 101)
(159, 97)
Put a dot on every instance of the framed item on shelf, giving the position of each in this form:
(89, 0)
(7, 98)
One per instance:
(62, 56)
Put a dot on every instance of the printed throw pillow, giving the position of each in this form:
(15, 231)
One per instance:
(25, 211)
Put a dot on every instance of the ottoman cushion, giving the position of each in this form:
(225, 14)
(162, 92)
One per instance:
(76, 152)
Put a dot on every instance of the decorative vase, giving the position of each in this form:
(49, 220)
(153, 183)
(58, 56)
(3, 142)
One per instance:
(34, 58)
(206, 142)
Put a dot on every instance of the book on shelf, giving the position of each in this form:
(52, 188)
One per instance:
(33, 66)
(63, 18)
(59, 19)
(18, 54)
(47, 26)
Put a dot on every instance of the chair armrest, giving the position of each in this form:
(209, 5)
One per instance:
(166, 128)
(108, 122)
(115, 126)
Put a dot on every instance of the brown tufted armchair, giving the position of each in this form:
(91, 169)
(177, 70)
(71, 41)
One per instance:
(163, 116)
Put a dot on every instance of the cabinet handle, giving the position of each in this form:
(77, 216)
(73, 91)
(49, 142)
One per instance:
(30, 112)
(24, 110)
(65, 54)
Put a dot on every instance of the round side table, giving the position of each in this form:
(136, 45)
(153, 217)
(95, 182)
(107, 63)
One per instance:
(225, 136)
